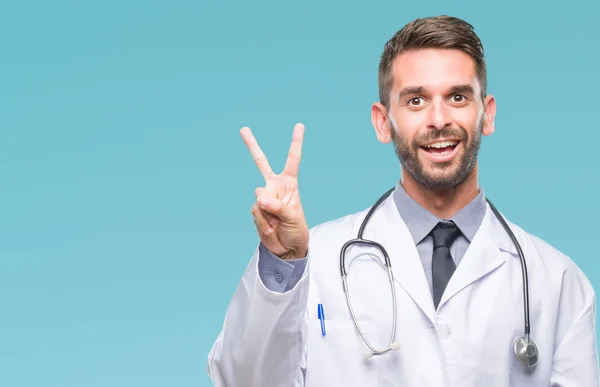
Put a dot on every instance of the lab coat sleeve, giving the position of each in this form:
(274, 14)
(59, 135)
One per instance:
(575, 362)
(263, 339)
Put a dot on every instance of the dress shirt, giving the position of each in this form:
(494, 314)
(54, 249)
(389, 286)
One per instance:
(280, 275)
(420, 223)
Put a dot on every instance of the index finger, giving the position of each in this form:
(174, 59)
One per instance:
(257, 154)
(292, 165)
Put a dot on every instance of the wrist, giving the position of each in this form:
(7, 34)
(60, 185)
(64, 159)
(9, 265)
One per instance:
(295, 254)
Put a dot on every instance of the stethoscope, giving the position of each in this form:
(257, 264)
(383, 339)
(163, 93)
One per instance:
(525, 349)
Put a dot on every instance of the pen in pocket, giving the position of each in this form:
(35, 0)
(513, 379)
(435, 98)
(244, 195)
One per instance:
(321, 315)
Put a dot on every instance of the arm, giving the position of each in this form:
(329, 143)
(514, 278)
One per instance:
(575, 360)
(263, 340)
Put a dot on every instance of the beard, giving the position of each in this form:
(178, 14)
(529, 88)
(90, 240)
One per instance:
(442, 175)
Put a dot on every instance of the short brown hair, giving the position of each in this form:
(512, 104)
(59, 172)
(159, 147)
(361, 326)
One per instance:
(431, 32)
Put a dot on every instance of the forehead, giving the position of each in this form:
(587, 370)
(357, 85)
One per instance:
(434, 69)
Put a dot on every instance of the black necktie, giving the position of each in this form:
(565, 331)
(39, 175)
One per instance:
(442, 266)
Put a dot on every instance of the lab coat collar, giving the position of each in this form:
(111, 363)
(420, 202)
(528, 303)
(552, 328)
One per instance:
(483, 256)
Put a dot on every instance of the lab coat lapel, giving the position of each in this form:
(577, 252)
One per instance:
(481, 258)
(394, 235)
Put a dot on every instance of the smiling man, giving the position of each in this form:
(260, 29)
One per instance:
(443, 292)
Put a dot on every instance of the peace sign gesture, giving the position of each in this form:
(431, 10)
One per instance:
(278, 213)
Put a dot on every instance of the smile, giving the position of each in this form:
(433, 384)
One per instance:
(441, 151)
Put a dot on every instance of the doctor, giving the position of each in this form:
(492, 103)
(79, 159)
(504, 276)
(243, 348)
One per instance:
(457, 276)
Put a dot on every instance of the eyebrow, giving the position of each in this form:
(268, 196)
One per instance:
(409, 90)
(464, 89)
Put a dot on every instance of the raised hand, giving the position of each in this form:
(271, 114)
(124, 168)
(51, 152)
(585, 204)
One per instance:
(277, 212)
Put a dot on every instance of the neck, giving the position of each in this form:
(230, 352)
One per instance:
(445, 202)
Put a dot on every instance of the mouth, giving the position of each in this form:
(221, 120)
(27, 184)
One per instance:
(441, 151)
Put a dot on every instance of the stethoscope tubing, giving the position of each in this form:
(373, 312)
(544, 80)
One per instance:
(388, 265)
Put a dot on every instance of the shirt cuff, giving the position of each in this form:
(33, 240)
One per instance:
(276, 274)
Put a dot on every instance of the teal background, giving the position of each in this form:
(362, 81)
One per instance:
(126, 190)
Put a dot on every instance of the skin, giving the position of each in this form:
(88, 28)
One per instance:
(277, 212)
(435, 95)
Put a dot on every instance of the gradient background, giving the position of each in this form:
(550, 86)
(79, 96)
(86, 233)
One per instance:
(126, 190)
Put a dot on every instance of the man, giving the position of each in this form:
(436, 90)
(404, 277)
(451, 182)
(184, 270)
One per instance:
(458, 280)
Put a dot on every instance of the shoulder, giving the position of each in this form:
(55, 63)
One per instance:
(554, 264)
(342, 226)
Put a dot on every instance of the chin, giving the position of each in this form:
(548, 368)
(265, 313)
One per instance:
(446, 176)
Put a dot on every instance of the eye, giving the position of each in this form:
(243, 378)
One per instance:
(459, 98)
(415, 101)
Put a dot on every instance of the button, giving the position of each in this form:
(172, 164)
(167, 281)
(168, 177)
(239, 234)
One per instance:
(444, 331)
(278, 277)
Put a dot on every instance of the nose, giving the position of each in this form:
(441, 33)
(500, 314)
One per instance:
(439, 115)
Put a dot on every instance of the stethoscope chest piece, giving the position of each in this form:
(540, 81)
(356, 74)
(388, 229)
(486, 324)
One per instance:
(526, 351)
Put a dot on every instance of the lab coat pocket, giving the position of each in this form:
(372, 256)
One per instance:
(340, 357)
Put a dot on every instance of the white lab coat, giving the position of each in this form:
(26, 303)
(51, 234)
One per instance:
(274, 339)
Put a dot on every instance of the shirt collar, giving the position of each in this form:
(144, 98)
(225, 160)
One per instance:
(420, 221)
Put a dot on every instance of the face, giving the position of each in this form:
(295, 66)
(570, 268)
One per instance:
(436, 116)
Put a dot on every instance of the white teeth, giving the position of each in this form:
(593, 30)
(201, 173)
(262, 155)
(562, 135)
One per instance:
(441, 144)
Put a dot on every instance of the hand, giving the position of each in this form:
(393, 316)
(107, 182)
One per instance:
(278, 213)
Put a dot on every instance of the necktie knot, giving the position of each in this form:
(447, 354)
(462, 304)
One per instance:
(444, 234)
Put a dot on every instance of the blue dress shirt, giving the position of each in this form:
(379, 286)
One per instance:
(280, 275)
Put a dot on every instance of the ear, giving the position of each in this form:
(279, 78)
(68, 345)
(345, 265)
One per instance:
(380, 122)
(489, 105)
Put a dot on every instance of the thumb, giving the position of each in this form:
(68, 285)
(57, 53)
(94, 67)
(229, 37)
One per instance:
(275, 206)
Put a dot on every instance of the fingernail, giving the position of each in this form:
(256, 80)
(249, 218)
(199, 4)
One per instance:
(262, 201)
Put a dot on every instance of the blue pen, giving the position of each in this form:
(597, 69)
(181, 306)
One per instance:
(321, 315)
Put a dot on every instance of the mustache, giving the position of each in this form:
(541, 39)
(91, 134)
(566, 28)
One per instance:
(433, 135)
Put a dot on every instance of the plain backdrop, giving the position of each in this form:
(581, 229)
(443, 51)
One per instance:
(126, 189)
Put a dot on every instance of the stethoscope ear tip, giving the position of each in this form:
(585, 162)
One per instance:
(394, 347)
